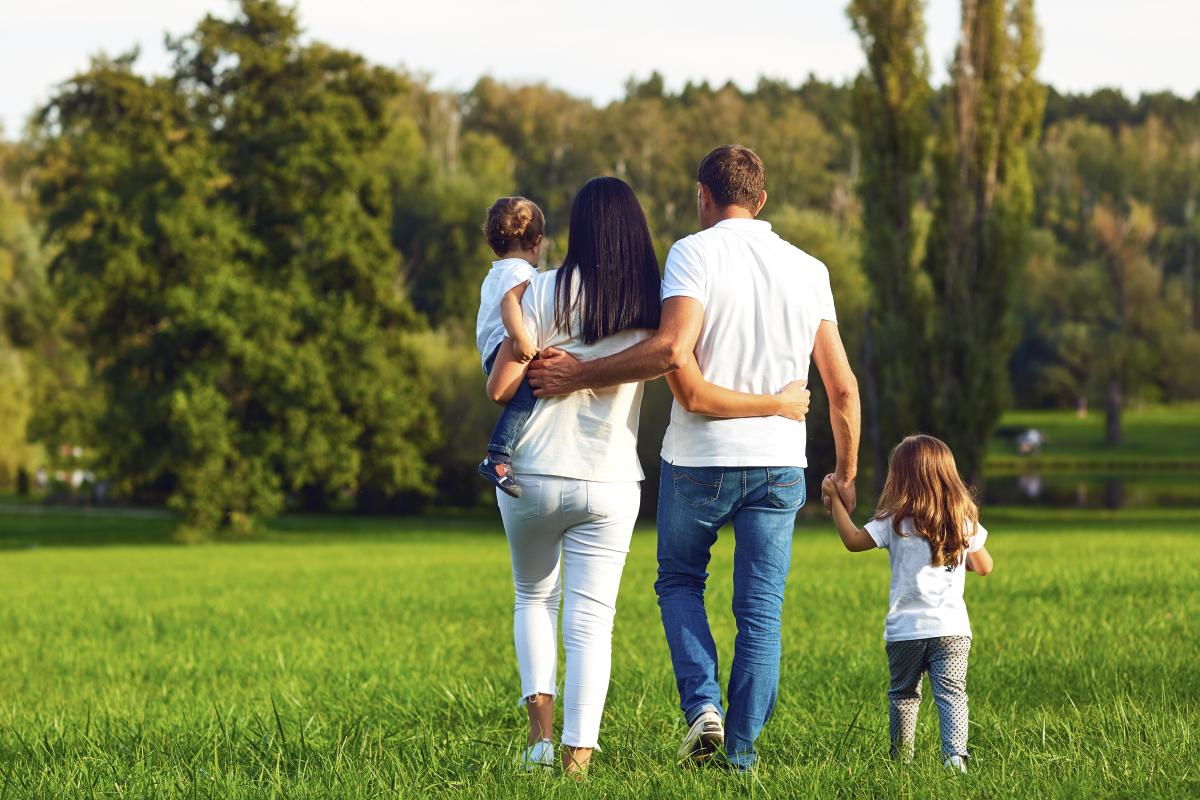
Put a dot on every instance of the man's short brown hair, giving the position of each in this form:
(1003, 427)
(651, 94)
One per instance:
(734, 175)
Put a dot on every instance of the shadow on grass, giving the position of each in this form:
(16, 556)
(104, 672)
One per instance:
(29, 527)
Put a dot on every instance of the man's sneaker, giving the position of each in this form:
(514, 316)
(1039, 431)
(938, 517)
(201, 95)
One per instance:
(539, 755)
(705, 738)
(500, 475)
(956, 763)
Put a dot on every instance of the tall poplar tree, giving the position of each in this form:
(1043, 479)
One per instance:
(983, 211)
(891, 113)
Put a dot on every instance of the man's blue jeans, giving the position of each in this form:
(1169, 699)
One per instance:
(693, 504)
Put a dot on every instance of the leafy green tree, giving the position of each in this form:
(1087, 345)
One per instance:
(438, 206)
(22, 303)
(1125, 322)
(555, 138)
(891, 113)
(982, 218)
(222, 242)
(1106, 299)
(836, 242)
(144, 260)
(300, 128)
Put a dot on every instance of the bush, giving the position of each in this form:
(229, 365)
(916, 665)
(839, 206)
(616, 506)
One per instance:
(466, 416)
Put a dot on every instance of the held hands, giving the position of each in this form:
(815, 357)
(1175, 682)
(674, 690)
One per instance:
(556, 372)
(795, 397)
(835, 488)
(829, 493)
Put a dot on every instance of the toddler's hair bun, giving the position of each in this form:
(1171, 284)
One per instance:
(514, 223)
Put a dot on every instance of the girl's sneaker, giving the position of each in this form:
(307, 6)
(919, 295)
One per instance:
(539, 755)
(956, 763)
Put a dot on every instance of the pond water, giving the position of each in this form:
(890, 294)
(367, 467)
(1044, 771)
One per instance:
(1163, 489)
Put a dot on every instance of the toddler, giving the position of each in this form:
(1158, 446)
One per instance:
(928, 522)
(514, 230)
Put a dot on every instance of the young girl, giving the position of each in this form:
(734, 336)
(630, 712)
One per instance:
(514, 230)
(929, 524)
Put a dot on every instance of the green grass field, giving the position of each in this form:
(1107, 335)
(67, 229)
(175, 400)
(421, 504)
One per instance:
(373, 658)
(1154, 436)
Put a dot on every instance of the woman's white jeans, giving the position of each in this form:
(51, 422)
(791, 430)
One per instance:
(568, 534)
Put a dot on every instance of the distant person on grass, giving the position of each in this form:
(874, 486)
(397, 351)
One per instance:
(747, 311)
(929, 524)
(569, 529)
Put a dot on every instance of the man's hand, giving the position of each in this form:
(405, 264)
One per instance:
(845, 490)
(557, 372)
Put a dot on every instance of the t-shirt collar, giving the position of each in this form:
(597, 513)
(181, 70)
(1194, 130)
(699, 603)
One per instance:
(741, 223)
(510, 262)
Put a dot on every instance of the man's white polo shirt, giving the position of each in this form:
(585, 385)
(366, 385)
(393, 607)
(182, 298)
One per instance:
(763, 300)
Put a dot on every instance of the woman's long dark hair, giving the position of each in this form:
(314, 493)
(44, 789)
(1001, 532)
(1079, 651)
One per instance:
(610, 248)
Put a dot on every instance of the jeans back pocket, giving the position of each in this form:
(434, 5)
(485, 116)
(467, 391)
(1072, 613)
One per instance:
(785, 487)
(697, 486)
(529, 504)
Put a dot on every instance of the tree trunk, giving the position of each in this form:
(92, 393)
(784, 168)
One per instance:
(1112, 412)
(314, 498)
(1114, 494)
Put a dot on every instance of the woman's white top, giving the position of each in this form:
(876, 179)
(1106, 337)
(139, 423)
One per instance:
(590, 434)
(924, 601)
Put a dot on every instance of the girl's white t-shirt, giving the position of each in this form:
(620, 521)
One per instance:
(489, 325)
(590, 434)
(924, 601)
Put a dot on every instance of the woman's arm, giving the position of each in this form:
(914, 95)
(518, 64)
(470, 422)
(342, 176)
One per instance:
(698, 396)
(506, 375)
(855, 539)
(980, 562)
(514, 323)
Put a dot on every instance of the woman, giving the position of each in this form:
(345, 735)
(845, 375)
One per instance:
(578, 459)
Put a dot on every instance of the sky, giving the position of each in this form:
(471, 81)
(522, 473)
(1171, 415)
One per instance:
(592, 48)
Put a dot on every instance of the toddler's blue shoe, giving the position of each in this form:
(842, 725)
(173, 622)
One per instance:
(500, 475)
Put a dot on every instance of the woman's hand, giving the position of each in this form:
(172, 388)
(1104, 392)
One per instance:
(795, 398)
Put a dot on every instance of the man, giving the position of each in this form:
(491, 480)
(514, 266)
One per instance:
(752, 310)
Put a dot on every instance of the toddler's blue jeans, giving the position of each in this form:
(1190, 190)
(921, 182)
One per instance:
(515, 415)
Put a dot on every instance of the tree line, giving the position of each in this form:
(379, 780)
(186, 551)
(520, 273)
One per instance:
(249, 283)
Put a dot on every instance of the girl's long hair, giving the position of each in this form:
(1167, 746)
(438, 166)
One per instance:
(924, 487)
(609, 246)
